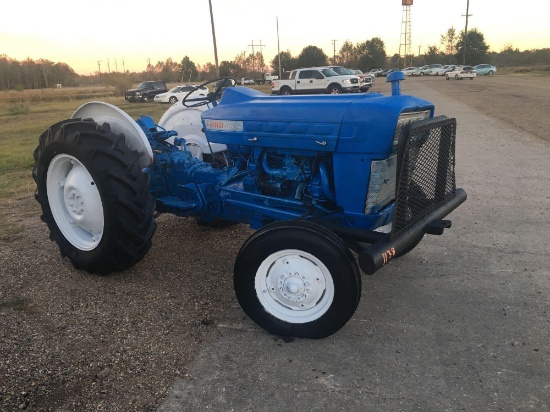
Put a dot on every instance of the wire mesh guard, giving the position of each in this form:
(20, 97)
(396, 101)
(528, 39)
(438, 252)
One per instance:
(426, 171)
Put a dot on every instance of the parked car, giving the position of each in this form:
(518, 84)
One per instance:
(408, 70)
(365, 79)
(485, 69)
(177, 93)
(445, 69)
(428, 69)
(350, 74)
(247, 80)
(146, 91)
(375, 71)
(392, 70)
(461, 72)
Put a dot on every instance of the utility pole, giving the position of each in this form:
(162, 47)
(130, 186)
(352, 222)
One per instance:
(253, 62)
(123, 67)
(99, 69)
(149, 68)
(244, 61)
(214, 39)
(279, 50)
(261, 57)
(465, 30)
(334, 51)
(108, 66)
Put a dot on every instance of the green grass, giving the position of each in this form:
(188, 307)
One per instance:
(23, 121)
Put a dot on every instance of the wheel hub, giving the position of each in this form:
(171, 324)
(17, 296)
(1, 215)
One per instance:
(75, 202)
(295, 282)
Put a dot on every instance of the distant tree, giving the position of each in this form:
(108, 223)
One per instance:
(187, 69)
(373, 54)
(311, 56)
(476, 48)
(395, 60)
(434, 55)
(347, 54)
(230, 69)
(207, 72)
(448, 41)
(255, 63)
(287, 62)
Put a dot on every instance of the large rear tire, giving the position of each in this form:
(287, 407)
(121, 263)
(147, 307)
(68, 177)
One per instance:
(94, 196)
(297, 279)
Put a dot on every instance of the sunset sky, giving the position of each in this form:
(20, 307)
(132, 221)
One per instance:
(132, 32)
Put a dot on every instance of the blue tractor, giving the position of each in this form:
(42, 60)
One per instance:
(333, 185)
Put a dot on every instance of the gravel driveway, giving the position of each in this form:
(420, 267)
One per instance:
(73, 341)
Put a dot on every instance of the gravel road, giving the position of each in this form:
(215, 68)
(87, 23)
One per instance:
(73, 341)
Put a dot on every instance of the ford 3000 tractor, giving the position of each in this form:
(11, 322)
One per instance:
(332, 184)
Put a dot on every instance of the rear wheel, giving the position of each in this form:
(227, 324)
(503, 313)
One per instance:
(490, 73)
(456, 76)
(297, 279)
(286, 91)
(94, 196)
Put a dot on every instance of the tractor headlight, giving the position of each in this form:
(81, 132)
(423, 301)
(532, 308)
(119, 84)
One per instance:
(383, 173)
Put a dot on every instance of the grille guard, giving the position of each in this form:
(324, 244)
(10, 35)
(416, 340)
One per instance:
(426, 192)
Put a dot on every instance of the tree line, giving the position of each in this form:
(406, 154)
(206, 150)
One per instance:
(454, 48)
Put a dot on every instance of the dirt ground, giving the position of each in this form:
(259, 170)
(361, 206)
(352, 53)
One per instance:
(73, 341)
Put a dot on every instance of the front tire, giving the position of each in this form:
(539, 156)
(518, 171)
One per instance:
(297, 279)
(94, 196)
(173, 100)
(334, 89)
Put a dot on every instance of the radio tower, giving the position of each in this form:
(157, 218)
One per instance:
(405, 49)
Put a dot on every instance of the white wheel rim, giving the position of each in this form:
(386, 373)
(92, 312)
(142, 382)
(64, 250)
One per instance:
(75, 202)
(294, 286)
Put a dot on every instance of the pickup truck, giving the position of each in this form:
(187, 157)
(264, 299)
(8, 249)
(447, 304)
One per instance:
(315, 80)
(266, 78)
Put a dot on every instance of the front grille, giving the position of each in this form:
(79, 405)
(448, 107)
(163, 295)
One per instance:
(426, 171)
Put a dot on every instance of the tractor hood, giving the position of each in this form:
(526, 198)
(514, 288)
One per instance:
(347, 122)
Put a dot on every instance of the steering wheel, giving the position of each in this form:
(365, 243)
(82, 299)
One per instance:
(211, 97)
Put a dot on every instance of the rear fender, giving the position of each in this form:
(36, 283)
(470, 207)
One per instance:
(187, 122)
(119, 122)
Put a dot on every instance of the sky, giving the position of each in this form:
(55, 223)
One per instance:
(123, 34)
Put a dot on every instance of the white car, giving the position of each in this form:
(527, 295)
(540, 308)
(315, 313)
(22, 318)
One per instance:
(408, 70)
(461, 72)
(177, 93)
(247, 80)
(444, 70)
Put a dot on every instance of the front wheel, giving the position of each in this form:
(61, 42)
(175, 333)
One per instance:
(173, 100)
(334, 89)
(297, 279)
(94, 196)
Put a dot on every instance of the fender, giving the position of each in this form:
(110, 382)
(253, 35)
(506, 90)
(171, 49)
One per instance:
(120, 122)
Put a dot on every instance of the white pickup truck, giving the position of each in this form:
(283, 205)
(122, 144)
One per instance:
(315, 80)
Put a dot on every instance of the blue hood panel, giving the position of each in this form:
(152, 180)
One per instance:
(327, 123)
